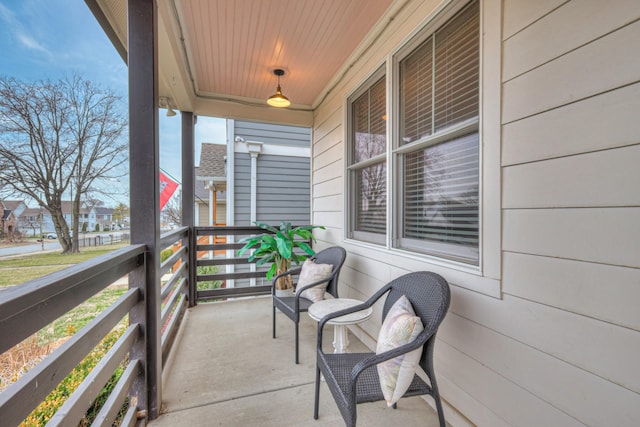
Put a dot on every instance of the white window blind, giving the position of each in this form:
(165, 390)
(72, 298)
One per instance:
(441, 198)
(368, 169)
(439, 96)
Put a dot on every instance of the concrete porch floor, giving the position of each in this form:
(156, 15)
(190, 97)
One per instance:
(226, 370)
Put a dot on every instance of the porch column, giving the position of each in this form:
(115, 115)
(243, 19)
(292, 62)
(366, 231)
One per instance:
(188, 197)
(145, 190)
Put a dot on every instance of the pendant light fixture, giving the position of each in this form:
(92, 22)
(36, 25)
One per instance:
(165, 102)
(278, 100)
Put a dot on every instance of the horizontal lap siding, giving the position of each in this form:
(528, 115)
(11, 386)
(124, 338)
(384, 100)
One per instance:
(283, 192)
(283, 183)
(560, 347)
(571, 241)
(242, 189)
(270, 133)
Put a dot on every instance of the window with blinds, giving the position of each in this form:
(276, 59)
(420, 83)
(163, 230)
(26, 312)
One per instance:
(438, 148)
(367, 168)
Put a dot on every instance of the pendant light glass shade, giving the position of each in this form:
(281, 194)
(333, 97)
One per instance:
(278, 100)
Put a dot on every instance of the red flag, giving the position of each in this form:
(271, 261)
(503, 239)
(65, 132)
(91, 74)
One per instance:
(167, 188)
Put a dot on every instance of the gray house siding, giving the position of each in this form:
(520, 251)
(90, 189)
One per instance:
(283, 190)
(283, 182)
(273, 134)
(242, 189)
(283, 178)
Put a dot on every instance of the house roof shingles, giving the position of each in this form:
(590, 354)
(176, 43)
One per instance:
(201, 193)
(212, 161)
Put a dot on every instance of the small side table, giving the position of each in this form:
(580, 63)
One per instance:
(340, 333)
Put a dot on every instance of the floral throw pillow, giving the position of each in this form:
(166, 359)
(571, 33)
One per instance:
(310, 273)
(401, 326)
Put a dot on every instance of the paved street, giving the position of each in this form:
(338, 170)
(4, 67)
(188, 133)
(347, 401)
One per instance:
(50, 245)
(54, 245)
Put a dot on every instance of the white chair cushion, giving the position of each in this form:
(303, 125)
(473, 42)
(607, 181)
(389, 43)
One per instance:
(401, 326)
(310, 273)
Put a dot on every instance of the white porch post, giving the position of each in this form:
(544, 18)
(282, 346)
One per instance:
(254, 149)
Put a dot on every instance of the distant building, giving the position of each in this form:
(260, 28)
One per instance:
(211, 186)
(104, 218)
(7, 219)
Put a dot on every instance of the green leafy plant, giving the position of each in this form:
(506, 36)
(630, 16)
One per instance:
(277, 246)
(208, 284)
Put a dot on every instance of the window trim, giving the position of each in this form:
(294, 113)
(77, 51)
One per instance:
(351, 167)
(430, 249)
(486, 277)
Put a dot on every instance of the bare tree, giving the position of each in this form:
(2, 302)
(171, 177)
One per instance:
(59, 138)
(172, 212)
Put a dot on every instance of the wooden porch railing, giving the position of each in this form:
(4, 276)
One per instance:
(238, 277)
(27, 308)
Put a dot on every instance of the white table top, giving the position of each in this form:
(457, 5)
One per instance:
(321, 308)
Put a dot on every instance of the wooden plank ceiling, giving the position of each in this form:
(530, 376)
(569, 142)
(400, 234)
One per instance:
(232, 46)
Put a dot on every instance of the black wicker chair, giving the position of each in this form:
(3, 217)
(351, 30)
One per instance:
(353, 377)
(294, 305)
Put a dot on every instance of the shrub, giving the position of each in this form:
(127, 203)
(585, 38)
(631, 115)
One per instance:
(209, 284)
(165, 254)
(43, 413)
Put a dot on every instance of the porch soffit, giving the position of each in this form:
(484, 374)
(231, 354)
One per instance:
(224, 51)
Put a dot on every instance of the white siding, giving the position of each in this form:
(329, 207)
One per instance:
(560, 348)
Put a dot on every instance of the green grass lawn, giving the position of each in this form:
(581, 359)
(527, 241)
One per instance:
(27, 267)
(15, 362)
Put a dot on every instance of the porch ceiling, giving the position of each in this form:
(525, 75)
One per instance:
(216, 57)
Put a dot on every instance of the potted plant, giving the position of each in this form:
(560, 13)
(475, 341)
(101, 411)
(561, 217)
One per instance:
(277, 246)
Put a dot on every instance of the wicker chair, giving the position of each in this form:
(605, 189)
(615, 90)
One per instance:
(294, 305)
(353, 377)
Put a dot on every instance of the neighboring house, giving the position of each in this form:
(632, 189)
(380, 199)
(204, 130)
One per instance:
(7, 219)
(35, 221)
(211, 185)
(10, 211)
(86, 215)
(263, 176)
(104, 218)
(269, 173)
(203, 217)
(16, 206)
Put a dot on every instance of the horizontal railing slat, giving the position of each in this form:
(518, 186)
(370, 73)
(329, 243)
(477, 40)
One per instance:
(112, 406)
(77, 404)
(219, 247)
(234, 292)
(21, 397)
(230, 276)
(169, 238)
(168, 263)
(228, 230)
(130, 418)
(169, 306)
(27, 308)
(224, 261)
(170, 331)
(179, 273)
(166, 289)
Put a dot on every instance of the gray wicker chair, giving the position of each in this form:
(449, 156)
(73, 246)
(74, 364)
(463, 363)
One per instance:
(294, 305)
(352, 378)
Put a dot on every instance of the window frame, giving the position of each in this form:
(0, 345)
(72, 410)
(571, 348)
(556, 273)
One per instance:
(484, 278)
(352, 167)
